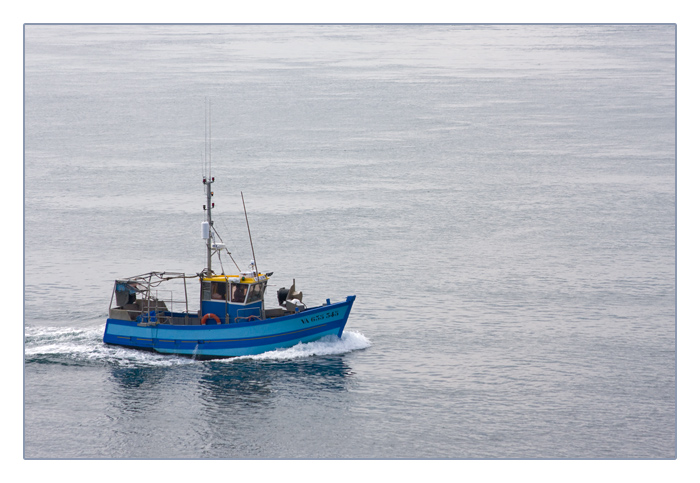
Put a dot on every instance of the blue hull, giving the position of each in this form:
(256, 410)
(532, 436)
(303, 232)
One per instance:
(235, 339)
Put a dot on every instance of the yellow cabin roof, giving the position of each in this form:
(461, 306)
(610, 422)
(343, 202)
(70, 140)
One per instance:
(240, 278)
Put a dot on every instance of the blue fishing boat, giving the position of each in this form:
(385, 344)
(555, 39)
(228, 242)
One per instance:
(232, 318)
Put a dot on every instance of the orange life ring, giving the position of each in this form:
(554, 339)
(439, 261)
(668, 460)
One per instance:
(252, 318)
(211, 316)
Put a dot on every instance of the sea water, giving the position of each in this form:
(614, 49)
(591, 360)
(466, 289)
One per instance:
(500, 198)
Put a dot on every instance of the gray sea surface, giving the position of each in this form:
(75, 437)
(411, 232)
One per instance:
(500, 198)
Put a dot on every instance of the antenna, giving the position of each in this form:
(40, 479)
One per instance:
(209, 138)
(206, 136)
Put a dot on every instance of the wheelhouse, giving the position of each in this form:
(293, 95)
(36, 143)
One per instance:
(234, 298)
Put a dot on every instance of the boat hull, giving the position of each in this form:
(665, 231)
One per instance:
(235, 339)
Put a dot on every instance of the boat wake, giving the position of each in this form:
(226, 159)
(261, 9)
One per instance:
(84, 346)
(329, 345)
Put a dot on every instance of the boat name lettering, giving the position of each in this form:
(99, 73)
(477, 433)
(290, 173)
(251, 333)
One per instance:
(316, 318)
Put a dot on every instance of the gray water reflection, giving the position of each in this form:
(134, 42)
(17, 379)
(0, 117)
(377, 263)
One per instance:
(229, 385)
(223, 408)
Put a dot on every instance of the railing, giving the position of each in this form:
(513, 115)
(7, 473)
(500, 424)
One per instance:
(246, 315)
(156, 309)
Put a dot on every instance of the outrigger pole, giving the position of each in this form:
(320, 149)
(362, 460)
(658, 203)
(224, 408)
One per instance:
(255, 276)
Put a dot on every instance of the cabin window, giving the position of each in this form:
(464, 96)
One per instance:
(256, 292)
(218, 291)
(206, 290)
(238, 293)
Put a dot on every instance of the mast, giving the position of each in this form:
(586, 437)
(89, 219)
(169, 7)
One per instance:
(208, 180)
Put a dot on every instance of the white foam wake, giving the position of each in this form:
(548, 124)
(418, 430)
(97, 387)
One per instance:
(69, 345)
(329, 345)
(59, 340)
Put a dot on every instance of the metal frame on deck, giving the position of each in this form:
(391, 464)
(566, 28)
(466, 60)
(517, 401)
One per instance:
(145, 285)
